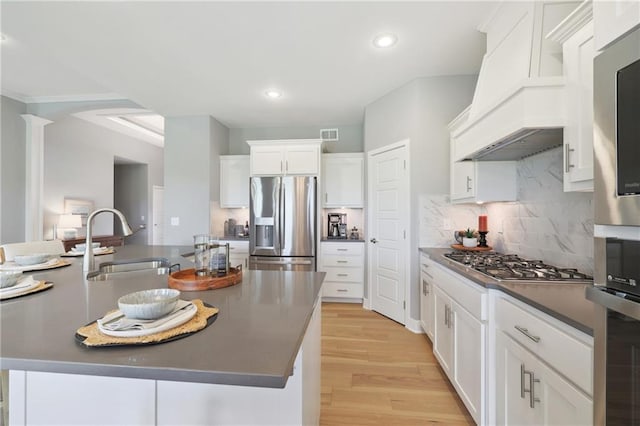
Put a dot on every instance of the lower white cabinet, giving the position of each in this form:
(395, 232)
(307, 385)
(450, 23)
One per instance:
(543, 368)
(343, 264)
(459, 342)
(529, 392)
(427, 310)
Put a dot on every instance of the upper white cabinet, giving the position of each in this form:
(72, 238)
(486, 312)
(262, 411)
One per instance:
(285, 157)
(483, 181)
(576, 35)
(613, 19)
(234, 181)
(343, 180)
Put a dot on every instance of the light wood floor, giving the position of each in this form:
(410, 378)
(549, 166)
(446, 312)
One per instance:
(376, 372)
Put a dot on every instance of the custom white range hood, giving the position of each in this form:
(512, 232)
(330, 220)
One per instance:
(518, 107)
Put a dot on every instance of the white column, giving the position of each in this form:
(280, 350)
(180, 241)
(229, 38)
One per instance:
(34, 183)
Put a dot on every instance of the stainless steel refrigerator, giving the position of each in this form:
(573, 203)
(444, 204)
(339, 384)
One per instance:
(282, 223)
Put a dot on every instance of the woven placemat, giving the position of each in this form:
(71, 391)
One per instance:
(43, 285)
(90, 335)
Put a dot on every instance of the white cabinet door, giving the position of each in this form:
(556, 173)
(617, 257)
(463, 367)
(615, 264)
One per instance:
(238, 253)
(613, 19)
(468, 359)
(267, 160)
(234, 181)
(530, 392)
(343, 180)
(578, 54)
(301, 159)
(483, 181)
(443, 333)
(427, 317)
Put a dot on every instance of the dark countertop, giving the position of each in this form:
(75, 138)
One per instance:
(253, 341)
(563, 301)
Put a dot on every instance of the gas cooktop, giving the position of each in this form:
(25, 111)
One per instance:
(512, 268)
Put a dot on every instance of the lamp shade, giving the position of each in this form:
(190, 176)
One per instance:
(70, 221)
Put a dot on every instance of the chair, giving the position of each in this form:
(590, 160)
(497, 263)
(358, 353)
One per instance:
(32, 247)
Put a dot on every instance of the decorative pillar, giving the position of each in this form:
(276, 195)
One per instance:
(34, 182)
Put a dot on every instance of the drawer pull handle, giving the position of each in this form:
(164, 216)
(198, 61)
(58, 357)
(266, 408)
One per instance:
(342, 249)
(526, 333)
(343, 261)
(342, 290)
(343, 275)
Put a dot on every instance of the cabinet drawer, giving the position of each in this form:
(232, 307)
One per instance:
(237, 246)
(569, 355)
(343, 249)
(355, 275)
(343, 261)
(333, 289)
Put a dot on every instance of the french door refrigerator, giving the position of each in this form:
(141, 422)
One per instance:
(282, 223)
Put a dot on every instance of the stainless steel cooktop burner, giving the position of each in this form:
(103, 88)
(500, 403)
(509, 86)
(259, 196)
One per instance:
(512, 267)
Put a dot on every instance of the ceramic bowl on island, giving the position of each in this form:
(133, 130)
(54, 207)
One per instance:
(9, 278)
(81, 247)
(31, 259)
(149, 304)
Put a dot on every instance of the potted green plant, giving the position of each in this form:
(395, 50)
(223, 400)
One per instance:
(469, 239)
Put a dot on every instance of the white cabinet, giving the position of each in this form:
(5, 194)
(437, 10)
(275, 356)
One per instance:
(343, 264)
(543, 368)
(343, 180)
(459, 342)
(234, 181)
(427, 310)
(531, 393)
(613, 19)
(285, 157)
(483, 181)
(238, 253)
(575, 34)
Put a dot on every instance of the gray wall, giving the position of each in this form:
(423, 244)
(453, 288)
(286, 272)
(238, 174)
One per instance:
(12, 171)
(350, 137)
(419, 111)
(79, 163)
(131, 197)
(192, 146)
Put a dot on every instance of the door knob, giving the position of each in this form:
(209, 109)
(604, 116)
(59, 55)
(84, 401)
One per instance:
(373, 240)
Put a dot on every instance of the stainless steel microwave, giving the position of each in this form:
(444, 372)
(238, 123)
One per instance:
(616, 144)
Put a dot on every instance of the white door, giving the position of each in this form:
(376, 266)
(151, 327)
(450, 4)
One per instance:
(157, 234)
(388, 222)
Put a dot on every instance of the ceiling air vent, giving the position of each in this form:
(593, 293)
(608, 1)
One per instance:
(329, 134)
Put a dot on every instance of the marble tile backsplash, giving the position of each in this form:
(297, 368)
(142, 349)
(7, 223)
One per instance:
(545, 223)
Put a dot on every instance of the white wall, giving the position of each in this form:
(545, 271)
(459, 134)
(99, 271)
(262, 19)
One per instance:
(79, 163)
(192, 147)
(419, 111)
(350, 137)
(12, 171)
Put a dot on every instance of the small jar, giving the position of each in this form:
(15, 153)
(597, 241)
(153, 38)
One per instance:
(219, 258)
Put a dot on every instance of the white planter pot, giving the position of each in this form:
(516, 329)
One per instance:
(470, 242)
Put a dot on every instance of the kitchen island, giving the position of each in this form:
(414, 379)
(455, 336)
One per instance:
(259, 362)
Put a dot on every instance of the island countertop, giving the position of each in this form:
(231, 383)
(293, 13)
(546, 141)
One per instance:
(253, 341)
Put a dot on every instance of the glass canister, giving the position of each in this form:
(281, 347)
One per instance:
(219, 258)
(201, 254)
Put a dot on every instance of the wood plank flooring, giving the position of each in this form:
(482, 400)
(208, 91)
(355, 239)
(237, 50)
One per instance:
(376, 372)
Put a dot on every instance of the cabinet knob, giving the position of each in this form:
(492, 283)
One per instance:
(373, 240)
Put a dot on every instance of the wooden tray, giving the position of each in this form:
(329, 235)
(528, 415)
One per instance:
(461, 247)
(188, 281)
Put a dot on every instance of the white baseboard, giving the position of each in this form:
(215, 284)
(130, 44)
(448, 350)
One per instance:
(366, 303)
(414, 326)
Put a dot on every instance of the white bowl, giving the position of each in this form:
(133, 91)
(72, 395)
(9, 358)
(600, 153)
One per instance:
(31, 259)
(81, 247)
(149, 304)
(9, 278)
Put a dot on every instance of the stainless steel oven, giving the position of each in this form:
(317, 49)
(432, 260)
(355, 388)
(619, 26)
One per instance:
(616, 392)
(616, 143)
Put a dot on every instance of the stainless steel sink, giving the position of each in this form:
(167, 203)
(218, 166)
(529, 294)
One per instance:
(130, 268)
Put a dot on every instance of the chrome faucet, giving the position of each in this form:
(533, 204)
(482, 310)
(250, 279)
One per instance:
(88, 263)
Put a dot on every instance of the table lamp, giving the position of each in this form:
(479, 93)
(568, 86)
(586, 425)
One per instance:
(68, 224)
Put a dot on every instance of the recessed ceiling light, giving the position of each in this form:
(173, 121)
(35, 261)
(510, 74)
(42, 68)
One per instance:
(273, 94)
(385, 40)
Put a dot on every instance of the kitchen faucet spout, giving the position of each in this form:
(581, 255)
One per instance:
(88, 262)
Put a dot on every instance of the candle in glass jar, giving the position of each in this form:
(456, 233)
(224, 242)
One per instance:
(482, 223)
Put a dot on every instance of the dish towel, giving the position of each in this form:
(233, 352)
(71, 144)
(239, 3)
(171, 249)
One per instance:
(116, 321)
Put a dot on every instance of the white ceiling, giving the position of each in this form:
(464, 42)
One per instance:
(218, 58)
